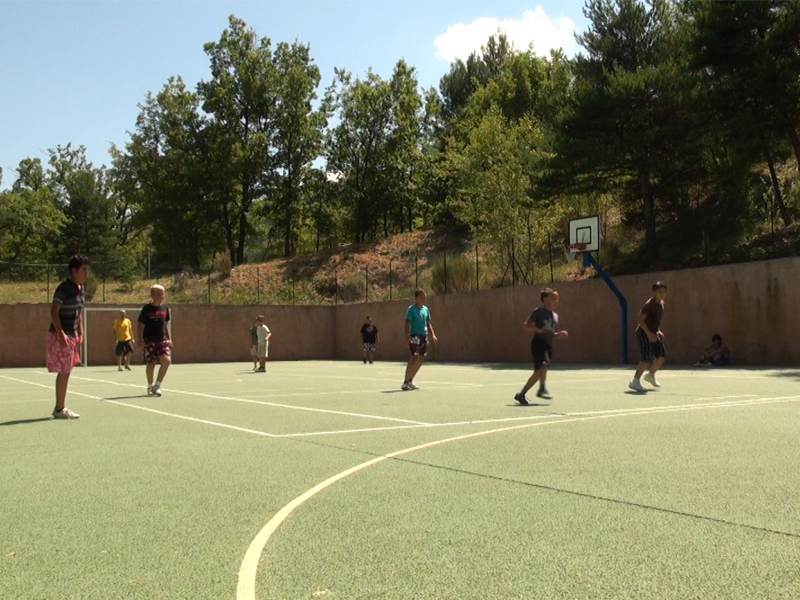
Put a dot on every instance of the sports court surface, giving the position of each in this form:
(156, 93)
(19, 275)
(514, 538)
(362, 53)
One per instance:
(322, 480)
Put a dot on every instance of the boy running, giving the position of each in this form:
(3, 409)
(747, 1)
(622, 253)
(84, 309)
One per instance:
(542, 323)
(66, 333)
(651, 339)
(262, 348)
(154, 332)
(418, 323)
(254, 344)
(369, 339)
(124, 331)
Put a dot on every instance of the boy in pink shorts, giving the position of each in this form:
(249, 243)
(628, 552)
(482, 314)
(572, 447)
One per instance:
(66, 333)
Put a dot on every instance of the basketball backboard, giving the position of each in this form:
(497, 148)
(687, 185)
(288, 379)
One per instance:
(584, 234)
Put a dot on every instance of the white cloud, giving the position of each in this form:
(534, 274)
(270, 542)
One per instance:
(535, 29)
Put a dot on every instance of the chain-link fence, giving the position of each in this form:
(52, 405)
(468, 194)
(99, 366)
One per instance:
(338, 278)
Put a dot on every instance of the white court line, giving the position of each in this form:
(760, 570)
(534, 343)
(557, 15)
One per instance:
(246, 586)
(150, 410)
(263, 402)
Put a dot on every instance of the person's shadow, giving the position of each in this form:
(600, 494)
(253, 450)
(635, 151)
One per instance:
(26, 421)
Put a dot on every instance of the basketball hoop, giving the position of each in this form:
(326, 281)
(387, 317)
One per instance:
(578, 248)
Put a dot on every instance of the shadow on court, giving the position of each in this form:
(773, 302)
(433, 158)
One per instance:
(26, 421)
(787, 374)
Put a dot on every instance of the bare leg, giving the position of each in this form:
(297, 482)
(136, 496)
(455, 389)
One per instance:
(370, 356)
(119, 362)
(657, 364)
(162, 370)
(414, 363)
(641, 368)
(543, 378)
(62, 379)
(415, 368)
(150, 370)
(531, 382)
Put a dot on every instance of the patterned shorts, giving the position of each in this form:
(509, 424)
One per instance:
(649, 351)
(153, 351)
(418, 345)
(61, 358)
(369, 346)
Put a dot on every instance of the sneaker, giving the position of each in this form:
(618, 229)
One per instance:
(521, 399)
(543, 394)
(127, 368)
(651, 379)
(370, 362)
(406, 387)
(262, 370)
(156, 389)
(365, 361)
(636, 386)
(65, 413)
(119, 369)
(411, 386)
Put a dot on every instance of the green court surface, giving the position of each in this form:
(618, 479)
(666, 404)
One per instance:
(323, 480)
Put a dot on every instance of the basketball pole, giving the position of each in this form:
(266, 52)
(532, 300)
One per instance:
(589, 261)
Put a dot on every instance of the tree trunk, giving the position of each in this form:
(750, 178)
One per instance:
(650, 241)
(795, 139)
(776, 189)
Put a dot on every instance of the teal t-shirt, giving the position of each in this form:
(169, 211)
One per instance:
(418, 316)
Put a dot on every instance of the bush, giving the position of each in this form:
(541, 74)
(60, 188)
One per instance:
(457, 275)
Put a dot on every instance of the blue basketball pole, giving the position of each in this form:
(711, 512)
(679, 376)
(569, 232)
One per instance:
(589, 261)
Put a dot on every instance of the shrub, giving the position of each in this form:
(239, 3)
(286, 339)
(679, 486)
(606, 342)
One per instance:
(457, 275)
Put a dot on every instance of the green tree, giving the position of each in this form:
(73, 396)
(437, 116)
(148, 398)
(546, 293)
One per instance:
(357, 147)
(298, 137)
(628, 126)
(241, 96)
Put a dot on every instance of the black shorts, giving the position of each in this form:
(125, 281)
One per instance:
(542, 351)
(124, 348)
(418, 345)
(649, 351)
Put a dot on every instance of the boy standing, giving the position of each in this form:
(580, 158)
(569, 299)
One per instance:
(651, 339)
(154, 331)
(418, 322)
(124, 331)
(66, 333)
(542, 323)
(369, 339)
(254, 344)
(262, 337)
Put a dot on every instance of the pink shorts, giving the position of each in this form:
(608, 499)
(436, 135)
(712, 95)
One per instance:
(61, 358)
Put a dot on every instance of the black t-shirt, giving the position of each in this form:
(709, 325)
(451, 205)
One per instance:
(369, 333)
(546, 320)
(69, 297)
(155, 319)
(653, 311)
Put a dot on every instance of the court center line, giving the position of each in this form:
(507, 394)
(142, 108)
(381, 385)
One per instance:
(263, 402)
(246, 585)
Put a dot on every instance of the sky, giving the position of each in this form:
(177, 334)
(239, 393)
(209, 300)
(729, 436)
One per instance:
(74, 71)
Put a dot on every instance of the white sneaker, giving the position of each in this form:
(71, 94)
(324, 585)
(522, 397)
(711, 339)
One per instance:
(651, 379)
(406, 387)
(636, 386)
(411, 386)
(156, 389)
(65, 413)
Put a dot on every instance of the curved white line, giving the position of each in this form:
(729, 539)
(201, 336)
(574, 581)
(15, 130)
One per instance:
(246, 587)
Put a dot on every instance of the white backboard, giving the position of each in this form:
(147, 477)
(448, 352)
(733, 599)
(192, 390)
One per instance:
(585, 230)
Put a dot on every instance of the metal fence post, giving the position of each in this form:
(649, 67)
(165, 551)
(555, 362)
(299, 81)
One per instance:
(550, 253)
(445, 271)
(390, 279)
(477, 270)
(104, 288)
(416, 271)
(513, 264)
(293, 289)
(47, 268)
(209, 285)
(336, 286)
(366, 284)
(258, 285)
